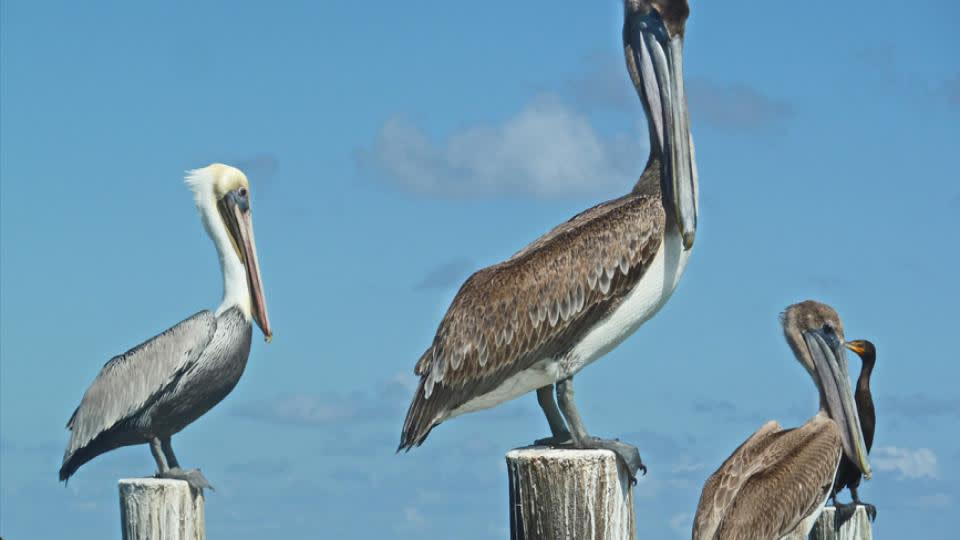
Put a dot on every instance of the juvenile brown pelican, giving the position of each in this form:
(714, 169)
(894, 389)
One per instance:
(848, 475)
(577, 292)
(162, 385)
(778, 480)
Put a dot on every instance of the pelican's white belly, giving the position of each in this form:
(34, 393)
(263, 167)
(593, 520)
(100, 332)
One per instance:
(646, 298)
(541, 374)
(643, 302)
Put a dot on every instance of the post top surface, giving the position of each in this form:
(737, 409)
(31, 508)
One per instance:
(153, 482)
(559, 454)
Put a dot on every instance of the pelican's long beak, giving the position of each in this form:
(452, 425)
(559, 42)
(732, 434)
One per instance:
(235, 210)
(830, 361)
(655, 60)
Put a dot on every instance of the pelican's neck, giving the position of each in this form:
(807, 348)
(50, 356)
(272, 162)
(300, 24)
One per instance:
(650, 182)
(235, 289)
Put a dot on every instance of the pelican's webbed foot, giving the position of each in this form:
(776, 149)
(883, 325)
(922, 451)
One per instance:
(192, 476)
(628, 454)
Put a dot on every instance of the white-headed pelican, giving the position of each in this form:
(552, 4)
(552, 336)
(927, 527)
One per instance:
(156, 389)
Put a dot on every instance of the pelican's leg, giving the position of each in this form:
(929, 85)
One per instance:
(627, 454)
(158, 455)
(162, 449)
(557, 426)
(168, 451)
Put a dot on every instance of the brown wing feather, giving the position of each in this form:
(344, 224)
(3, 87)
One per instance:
(769, 484)
(533, 305)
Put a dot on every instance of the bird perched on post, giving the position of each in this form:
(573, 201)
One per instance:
(154, 390)
(848, 475)
(777, 482)
(538, 318)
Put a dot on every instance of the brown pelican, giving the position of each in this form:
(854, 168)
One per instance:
(157, 388)
(578, 291)
(777, 481)
(848, 475)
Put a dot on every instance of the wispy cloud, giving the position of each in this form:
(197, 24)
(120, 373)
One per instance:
(886, 73)
(547, 149)
(726, 411)
(311, 410)
(916, 406)
(446, 274)
(736, 106)
(682, 523)
(910, 463)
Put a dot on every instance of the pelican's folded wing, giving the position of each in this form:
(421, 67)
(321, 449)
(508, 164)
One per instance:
(770, 483)
(131, 380)
(534, 305)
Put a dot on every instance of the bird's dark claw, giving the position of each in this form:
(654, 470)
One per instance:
(627, 454)
(871, 511)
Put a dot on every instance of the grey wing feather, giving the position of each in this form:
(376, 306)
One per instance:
(769, 484)
(132, 379)
(533, 305)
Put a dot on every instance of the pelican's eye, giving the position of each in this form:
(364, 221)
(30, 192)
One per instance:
(242, 192)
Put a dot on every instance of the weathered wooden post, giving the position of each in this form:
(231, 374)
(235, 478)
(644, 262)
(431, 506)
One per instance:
(855, 528)
(569, 494)
(159, 509)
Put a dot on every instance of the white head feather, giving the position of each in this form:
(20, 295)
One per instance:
(209, 185)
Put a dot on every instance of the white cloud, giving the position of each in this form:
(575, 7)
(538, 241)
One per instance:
(910, 463)
(545, 150)
(682, 523)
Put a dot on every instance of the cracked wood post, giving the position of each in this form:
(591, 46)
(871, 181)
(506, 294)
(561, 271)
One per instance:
(160, 509)
(569, 494)
(856, 528)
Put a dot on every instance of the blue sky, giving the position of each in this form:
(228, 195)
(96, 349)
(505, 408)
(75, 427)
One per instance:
(392, 149)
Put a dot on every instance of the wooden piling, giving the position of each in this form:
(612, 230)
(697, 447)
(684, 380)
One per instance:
(856, 528)
(560, 494)
(159, 509)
